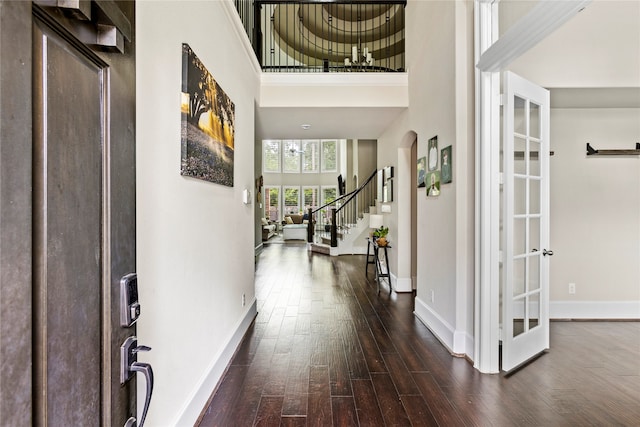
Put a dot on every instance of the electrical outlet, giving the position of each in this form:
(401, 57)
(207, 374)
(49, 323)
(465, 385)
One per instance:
(433, 295)
(244, 300)
(572, 288)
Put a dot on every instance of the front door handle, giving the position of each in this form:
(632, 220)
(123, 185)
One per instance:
(145, 369)
(129, 366)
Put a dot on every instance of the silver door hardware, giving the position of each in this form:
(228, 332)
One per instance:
(129, 365)
(129, 305)
(546, 252)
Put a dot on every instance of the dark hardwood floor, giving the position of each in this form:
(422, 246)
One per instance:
(326, 349)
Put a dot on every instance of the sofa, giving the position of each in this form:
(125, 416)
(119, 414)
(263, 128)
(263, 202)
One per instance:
(294, 227)
(269, 229)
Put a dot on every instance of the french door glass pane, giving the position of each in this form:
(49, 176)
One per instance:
(533, 302)
(534, 234)
(519, 276)
(534, 120)
(519, 156)
(519, 116)
(519, 236)
(534, 196)
(534, 273)
(519, 196)
(534, 163)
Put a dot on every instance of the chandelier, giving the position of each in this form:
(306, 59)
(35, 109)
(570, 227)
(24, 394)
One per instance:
(359, 57)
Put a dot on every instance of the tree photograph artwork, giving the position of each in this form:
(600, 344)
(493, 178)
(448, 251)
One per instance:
(208, 117)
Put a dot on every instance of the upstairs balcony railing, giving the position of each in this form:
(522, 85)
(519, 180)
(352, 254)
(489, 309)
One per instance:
(326, 35)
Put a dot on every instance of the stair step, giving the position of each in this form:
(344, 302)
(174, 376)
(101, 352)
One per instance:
(321, 248)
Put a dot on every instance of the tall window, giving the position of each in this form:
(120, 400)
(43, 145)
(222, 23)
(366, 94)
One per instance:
(291, 200)
(310, 155)
(272, 203)
(291, 155)
(310, 198)
(328, 193)
(271, 156)
(329, 155)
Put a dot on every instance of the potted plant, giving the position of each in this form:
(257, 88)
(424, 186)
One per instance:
(380, 235)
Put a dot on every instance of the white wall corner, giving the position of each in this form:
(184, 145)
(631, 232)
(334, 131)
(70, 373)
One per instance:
(629, 310)
(196, 402)
(401, 284)
(442, 330)
(462, 343)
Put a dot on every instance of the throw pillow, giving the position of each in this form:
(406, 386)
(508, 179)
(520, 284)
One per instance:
(288, 220)
(264, 221)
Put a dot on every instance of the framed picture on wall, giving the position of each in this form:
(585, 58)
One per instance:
(446, 165)
(433, 179)
(422, 170)
(433, 153)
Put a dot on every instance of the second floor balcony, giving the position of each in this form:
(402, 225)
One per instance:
(326, 36)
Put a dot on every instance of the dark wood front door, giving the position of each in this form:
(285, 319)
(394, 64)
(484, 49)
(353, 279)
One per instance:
(81, 212)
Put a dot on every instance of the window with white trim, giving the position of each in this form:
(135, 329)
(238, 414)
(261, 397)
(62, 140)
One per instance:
(272, 203)
(271, 156)
(328, 193)
(291, 200)
(310, 155)
(291, 155)
(329, 160)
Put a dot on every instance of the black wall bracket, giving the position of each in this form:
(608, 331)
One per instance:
(593, 152)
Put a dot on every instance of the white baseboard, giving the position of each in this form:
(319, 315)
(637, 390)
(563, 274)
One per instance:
(436, 324)
(459, 343)
(198, 399)
(594, 310)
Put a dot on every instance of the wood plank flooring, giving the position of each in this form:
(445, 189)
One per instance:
(327, 350)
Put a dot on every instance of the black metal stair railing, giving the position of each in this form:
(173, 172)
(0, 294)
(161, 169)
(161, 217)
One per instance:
(345, 211)
(326, 35)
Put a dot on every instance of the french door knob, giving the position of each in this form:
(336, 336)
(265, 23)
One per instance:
(546, 252)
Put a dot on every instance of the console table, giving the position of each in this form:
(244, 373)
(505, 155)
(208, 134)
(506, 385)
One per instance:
(373, 257)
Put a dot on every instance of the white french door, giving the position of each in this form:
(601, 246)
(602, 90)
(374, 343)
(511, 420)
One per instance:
(525, 293)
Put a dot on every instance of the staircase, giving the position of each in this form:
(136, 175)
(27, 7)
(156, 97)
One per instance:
(341, 227)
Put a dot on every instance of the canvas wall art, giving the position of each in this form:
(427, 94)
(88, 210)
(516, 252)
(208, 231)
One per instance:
(446, 165)
(208, 117)
(422, 170)
(433, 153)
(433, 179)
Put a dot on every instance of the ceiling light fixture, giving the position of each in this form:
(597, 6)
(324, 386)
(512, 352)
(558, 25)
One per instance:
(305, 126)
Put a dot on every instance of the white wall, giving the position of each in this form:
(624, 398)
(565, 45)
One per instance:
(599, 47)
(595, 214)
(439, 49)
(195, 239)
(598, 236)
